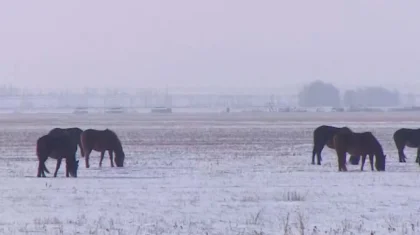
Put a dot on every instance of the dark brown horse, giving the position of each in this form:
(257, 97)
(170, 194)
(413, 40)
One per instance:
(407, 137)
(359, 144)
(323, 135)
(101, 141)
(57, 147)
(74, 133)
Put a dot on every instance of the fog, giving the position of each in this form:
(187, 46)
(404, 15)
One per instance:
(218, 43)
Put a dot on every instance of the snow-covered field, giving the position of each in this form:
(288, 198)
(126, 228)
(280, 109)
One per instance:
(209, 174)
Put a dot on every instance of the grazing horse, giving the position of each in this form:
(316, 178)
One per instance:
(323, 135)
(101, 141)
(57, 147)
(359, 144)
(407, 137)
(74, 133)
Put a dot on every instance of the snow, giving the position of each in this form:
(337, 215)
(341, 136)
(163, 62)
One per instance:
(207, 174)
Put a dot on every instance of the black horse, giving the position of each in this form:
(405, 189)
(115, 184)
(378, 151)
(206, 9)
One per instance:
(359, 144)
(74, 133)
(323, 135)
(407, 137)
(57, 147)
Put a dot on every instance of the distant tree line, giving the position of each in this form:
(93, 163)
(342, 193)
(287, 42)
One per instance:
(319, 93)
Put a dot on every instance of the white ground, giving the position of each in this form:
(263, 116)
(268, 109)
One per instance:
(208, 174)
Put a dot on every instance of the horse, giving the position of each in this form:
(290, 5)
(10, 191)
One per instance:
(323, 135)
(74, 133)
(359, 144)
(101, 141)
(407, 137)
(57, 147)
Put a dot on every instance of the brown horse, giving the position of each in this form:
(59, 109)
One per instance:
(101, 141)
(359, 144)
(74, 133)
(57, 147)
(323, 135)
(407, 137)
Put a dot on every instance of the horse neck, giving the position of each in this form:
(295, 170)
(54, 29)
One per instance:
(118, 146)
(379, 151)
(117, 142)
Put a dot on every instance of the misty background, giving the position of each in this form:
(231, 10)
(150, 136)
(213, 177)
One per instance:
(265, 47)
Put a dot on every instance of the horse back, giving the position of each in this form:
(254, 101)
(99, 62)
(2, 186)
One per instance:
(61, 145)
(89, 136)
(74, 132)
(356, 142)
(100, 139)
(323, 135)
(407, 136)
(57, 131)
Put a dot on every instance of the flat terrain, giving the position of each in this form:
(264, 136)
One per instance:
(208, 173)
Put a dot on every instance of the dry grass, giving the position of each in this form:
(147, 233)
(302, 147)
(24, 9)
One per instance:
(294, 196)
(293, 223)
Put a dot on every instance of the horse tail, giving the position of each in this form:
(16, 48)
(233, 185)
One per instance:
(82, 153)
(42, 161)
(45, 168)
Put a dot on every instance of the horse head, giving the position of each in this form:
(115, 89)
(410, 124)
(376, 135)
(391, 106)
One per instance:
(73, 167)
(119, 158)
(380, 162)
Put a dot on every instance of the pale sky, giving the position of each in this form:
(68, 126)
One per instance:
(234, 43)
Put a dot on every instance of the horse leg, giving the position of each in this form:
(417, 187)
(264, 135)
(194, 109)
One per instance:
(40, 169)
(343, 162)
(102, 158)
(317, 151)
(401, 154)
(87, 158)
(57, 166)
(318, 158)
(67, 168)
(339, 161)
(313, 155)
(111, 157)
(43, 167)
(371, 161)
(341, 157)
(363, 162)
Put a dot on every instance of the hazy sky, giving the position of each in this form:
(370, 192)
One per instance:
(78, 43)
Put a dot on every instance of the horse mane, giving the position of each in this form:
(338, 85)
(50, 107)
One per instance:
(346, 128)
